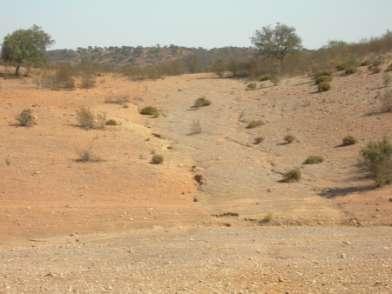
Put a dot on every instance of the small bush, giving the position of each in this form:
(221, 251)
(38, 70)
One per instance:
(111, 122)
(251, 86)
(87, 156)
(386, 101)
(374, 69)
(266, 219)
(323, 79)
(291, 176)
(377, 162)
(157, 159)
(63, 78)
(365, 63)
(258, 140)
(348, 141)
(26, 118)
(349, 70)
(387, 80)
(324, 87)
(264, 78)
(254, 124)
(389, 68)
(88, 80)
(120, 100)
(289, 139)
(150, 110)
(201, 102)
(90, 120)
(314, 160)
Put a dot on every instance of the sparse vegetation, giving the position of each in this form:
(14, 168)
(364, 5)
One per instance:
(88, 80)
(258, 140)
(292, 176)
(266, 219)
(324, 87)
(389, 68)
(61, 79)
(289, 139)
(111, 122)
(348, 141)
(322, 77)
(201, 102)
(26, 118)
(90, 120)
(150, 110)
(314, 159)
(157, 159)
(254, 124)
(120, 100)
(87, 155)
(386, 101)
(377, 161)
(251, 86)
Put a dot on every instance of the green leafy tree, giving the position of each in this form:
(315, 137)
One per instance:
(277, 41)
(26, 47)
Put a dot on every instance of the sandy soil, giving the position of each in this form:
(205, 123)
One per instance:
(91, 217)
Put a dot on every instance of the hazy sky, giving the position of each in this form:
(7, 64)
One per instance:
(204, 23)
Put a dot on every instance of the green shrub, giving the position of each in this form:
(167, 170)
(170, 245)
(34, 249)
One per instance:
(26, 118)
(314, 160)
(377, 161)
(324, 87)
(254, 124)
(201, 102)
(150, 110)
(348, 141)
(90, 120)
(291, 176)
(157, 159)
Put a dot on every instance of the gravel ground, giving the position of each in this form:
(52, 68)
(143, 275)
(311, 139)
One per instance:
(205, 260)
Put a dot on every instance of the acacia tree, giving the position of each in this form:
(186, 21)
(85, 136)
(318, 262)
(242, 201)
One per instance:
(25, 47)
(277, 41)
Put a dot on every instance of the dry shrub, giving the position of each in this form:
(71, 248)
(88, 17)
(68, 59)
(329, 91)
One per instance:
(289, 139)
(377, 161)
(90, 120)
(150, 110)
(61, 79)
(254, 124)
(88, 80)
(292, 176)
(201, 102)
(324, 87)
(157, 159)
(26, 118)
(386, 101)
(348, 141)
(251, 86)
(314, 159)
